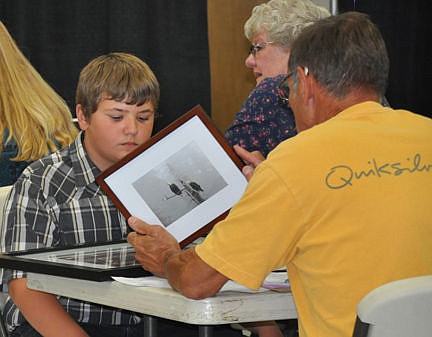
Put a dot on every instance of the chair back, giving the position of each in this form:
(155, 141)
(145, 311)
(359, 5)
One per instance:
(397, 309)
(4, 193)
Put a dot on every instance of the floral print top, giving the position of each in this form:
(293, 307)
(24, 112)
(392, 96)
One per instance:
(263, 120)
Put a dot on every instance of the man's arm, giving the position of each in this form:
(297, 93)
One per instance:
(191, 276)
(43, 311)
(159, 252)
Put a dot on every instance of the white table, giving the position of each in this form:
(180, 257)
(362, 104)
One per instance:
(224, 308)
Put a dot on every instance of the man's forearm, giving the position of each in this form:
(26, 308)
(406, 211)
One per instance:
(191, 276)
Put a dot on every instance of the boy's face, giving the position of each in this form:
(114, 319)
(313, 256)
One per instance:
(114, 130)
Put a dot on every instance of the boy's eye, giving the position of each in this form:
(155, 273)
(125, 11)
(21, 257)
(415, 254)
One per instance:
(116, 118)
(143, 118)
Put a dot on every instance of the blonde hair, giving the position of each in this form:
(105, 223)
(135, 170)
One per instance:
(35, 116)
(282, 20)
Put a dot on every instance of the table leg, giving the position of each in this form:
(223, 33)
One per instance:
(150, 326)
(205, 331)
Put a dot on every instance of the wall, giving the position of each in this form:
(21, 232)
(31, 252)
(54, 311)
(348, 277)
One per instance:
(60, 37)
(230, 80)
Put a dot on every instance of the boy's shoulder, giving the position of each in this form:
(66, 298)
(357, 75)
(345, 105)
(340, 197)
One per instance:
(52, 161)
(51, 168)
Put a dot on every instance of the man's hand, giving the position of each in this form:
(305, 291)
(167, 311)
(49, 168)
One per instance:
(159, 252)
(252, 160)
(153, 245)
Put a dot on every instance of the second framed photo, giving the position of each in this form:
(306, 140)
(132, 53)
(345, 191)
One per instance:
(94, 262)
(185, 178)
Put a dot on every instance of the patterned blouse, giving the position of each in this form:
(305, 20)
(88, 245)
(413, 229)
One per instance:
(263, 120)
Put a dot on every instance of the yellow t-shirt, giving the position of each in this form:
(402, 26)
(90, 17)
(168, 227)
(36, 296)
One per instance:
(344, 205)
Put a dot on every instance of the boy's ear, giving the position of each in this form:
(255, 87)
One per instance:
(82, 119)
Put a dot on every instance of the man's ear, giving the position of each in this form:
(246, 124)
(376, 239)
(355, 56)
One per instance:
(81, 117)
(307, 93)
(306, 80)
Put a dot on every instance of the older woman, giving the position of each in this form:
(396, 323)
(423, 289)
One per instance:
(264, 120)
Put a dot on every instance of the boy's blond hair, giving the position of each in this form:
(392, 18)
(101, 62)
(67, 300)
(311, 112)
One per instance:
(116, 76)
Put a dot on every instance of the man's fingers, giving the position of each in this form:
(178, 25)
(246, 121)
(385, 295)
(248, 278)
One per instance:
(138, 225)
(248, 172)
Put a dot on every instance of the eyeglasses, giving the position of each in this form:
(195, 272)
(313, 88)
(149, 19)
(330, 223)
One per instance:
(255, 48)
(283, 88)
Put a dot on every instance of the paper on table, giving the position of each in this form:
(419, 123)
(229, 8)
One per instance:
(276, 280)
(272, 281)
(154, 281)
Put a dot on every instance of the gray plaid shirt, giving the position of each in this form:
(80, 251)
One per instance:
(56, 202)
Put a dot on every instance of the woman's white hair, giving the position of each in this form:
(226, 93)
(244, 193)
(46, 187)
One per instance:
(282, 20)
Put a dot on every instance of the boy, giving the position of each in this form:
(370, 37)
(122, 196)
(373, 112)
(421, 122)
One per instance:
(56, 201)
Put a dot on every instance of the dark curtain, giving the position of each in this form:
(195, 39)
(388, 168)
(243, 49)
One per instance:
(406, 27)
(60, 37)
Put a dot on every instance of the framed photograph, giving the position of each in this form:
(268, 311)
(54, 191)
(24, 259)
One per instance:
(95, 262)
(186, 178)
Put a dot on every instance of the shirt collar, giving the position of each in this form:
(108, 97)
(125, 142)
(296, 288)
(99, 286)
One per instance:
(85, 170)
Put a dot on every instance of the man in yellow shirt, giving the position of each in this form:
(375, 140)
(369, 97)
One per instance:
(344, 205)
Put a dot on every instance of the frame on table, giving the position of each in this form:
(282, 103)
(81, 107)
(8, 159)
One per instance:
(94, 262)
(185, 178)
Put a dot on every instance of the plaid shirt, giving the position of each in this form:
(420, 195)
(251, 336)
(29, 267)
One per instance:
(56, 202)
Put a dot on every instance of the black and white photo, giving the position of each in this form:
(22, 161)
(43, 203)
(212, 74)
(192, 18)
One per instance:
(185, 178)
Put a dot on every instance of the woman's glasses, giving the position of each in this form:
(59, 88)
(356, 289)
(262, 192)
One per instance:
(255, 48)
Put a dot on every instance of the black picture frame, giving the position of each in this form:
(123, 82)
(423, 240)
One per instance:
(94, 262)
